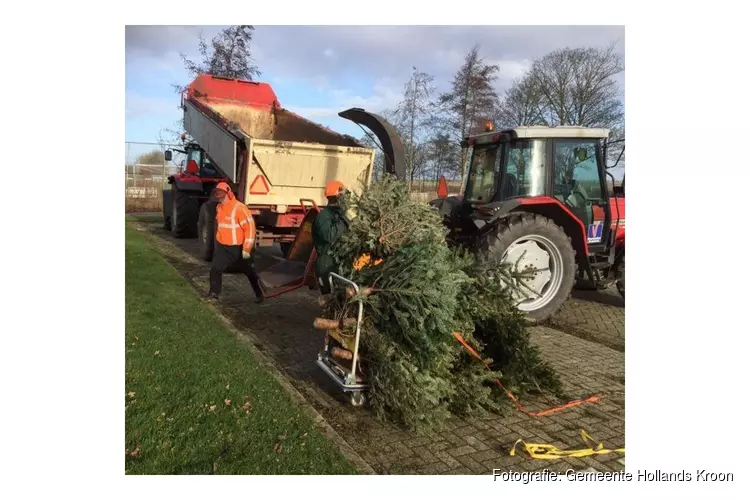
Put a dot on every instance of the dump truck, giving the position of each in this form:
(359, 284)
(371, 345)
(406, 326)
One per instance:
(276, 161)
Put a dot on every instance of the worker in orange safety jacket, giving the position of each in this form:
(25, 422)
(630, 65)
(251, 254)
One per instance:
(235, 241)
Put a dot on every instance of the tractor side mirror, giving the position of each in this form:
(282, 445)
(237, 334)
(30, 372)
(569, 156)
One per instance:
(442, 189)
(168, 155)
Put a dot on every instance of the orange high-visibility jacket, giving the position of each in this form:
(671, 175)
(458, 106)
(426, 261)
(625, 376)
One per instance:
(235, 224)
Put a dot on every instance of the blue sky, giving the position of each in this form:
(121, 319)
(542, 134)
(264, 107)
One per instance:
(319, 71)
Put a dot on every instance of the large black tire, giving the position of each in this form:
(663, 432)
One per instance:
(184, 218)
(518, 226)
(207, 230)
(166, 205)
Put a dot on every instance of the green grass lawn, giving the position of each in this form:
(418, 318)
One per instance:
(197, 401)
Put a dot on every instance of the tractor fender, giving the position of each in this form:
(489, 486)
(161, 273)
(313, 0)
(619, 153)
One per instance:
(545, 206)
(188, 183)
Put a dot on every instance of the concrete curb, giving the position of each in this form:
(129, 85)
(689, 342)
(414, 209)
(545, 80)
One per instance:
(249, 339)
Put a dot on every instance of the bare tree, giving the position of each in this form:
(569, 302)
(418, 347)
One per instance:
(228, 56)
(568, 87)
(155, 157)
(378, 169)
(443, 154)
(471, 101)
(412, 117)
(521, 106)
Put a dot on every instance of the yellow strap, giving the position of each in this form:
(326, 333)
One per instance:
(547, 451)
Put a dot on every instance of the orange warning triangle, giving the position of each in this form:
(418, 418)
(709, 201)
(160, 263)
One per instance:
(259, 185)
(442, 189)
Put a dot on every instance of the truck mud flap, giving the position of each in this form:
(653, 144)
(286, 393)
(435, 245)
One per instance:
(390, 141)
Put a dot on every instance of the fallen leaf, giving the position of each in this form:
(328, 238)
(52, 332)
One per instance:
(131, 394)
(136, 452)
(227, 402)
(246, 407)
(156, 353)
(212, 408)
(227, 386)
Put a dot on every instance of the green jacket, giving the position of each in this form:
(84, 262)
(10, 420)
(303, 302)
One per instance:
(329, 225)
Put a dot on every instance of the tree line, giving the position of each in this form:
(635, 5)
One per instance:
(568, 86)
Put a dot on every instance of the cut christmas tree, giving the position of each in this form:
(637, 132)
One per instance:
(417, 292)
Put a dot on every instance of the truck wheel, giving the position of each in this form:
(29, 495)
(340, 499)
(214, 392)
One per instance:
(621, 277)
(525, 239)
(184, 214)
(166, 207)
(207, 230)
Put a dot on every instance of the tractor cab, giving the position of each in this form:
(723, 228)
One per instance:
(197, 162)
(530, 164)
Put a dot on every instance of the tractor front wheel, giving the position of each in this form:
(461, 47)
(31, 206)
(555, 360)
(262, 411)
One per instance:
(184, 219)
(529, 240)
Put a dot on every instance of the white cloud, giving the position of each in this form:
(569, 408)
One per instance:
(137, 105)
(386, 94)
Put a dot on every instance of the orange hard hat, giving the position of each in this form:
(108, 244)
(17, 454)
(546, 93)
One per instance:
(222, 189)
(334, 188)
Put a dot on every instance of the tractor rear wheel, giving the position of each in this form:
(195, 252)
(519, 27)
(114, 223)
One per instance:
(207, 230)
(184, 214)
(525, 239)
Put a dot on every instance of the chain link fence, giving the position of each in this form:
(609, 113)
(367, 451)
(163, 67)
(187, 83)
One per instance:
(147, 173)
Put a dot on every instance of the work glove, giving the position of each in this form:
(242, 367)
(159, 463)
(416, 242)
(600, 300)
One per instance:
(245, 254)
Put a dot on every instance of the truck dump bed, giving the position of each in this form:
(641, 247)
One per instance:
(290, 158)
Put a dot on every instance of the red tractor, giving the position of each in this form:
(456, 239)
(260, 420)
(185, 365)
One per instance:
(539, 196)
(534, 196)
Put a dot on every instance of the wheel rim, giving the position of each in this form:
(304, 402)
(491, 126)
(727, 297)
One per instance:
(541, 287)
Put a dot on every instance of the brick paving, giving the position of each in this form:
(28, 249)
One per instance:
(282, 329)
(594, 315)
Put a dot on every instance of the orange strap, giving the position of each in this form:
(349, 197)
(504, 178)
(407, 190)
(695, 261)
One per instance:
(556, 409)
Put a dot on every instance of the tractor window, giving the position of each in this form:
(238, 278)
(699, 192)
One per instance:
(208, 169)
(524, 170)
(480, 185)
(577, 181)
(576, 172)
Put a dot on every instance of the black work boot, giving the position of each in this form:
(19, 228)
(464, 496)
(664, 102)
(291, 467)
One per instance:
(259, 300)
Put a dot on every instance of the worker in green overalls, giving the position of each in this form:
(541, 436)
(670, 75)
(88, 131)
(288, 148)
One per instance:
(329, 225)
